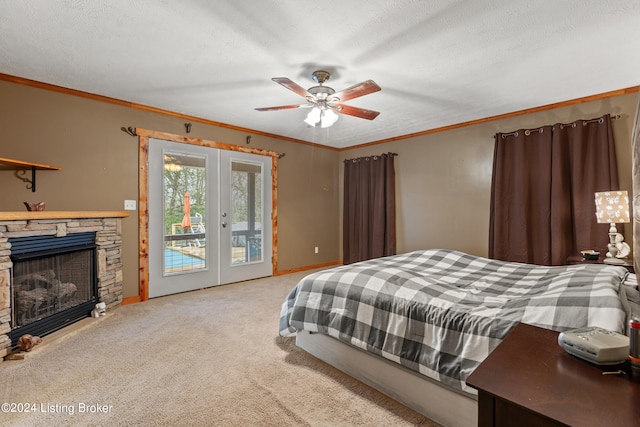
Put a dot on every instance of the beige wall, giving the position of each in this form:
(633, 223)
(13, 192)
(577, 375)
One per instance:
(444, 179)
(100, 169)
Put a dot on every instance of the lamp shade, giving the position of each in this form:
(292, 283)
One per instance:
(329, 117)
(612, 207)
(313, 117)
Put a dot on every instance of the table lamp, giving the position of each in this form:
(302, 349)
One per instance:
(612, 207)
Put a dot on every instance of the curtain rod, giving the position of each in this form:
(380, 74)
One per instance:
(375, 156)
(613, 117)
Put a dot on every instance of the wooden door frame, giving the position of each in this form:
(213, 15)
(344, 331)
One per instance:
(143, 195)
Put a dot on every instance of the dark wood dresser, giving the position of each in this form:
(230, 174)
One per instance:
(529, 380)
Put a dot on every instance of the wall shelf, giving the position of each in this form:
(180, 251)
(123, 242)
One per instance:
(19, 165)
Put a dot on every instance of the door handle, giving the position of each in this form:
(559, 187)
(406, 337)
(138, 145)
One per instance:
(224, 224)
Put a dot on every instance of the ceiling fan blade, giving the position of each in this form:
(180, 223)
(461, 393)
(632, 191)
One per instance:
(357, 112)
(356, 91)
(292, 86)
(281, 107)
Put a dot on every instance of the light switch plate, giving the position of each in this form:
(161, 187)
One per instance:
(129, 205)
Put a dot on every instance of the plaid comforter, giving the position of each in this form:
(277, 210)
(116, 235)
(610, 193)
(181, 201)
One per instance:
(441, 312)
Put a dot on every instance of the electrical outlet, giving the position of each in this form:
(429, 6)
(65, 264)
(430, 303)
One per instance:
(316, 249)
(129, 205)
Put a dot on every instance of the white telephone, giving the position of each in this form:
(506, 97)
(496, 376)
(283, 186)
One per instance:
(596, 345)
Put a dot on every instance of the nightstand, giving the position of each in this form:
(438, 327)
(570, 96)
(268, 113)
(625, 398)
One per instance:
(529, 380)
(573, 260)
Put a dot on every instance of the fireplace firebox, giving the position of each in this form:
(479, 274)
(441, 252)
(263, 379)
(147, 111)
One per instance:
(54, 282)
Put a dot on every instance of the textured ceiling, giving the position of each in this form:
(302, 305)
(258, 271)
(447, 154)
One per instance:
(439, 62)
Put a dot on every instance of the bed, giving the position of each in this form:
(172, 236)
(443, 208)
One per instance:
(416, 325)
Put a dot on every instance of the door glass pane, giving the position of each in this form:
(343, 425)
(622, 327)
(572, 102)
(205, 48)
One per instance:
(185, 216)
(246, 212)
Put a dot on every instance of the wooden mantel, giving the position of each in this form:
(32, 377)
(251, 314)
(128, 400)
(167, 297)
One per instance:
(26, 215)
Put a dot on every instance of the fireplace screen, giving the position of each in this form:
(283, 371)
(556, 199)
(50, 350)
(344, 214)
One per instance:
(53, 282)
(46, 286)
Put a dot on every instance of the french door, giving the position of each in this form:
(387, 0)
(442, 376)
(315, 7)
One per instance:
(209, 217)
(245, 216)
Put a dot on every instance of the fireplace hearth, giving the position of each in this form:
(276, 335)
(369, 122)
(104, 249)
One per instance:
(54, 282)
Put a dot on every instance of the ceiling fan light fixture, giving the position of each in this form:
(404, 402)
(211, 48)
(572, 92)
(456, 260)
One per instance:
(324, 117)
(328, 118)
(313, 117)
(325, 103)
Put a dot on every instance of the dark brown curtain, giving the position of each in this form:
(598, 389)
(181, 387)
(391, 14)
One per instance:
(542, 194)
(521, 185)
(369, 219)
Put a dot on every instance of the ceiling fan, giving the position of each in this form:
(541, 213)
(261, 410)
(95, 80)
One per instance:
(325, 102)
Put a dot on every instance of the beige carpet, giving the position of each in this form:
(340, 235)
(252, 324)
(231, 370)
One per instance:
(209, 358)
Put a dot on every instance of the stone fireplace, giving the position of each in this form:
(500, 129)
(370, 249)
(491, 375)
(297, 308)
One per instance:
(54, 267)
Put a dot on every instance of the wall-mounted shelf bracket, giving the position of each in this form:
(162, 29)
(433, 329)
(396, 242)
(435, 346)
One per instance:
(22, 167)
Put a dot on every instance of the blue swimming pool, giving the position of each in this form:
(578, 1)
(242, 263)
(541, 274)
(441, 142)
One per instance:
(177, 260)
